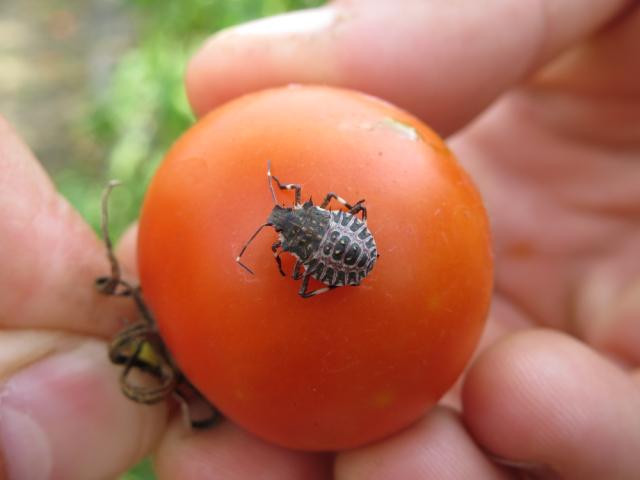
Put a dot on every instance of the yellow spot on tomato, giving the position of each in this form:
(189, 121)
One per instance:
(434, 303)
(383, 398)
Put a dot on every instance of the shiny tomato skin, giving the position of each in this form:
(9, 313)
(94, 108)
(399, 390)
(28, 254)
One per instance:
(350, 366)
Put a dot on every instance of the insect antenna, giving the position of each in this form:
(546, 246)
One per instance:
(273, 193)
(255, 234)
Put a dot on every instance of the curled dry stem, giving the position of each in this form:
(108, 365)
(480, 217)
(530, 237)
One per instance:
(139, 346)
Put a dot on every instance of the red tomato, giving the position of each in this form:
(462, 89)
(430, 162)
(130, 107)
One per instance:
(349, 366)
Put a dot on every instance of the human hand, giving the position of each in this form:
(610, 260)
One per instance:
(554, 160)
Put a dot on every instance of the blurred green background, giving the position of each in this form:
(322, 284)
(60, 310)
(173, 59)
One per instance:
(95, 88)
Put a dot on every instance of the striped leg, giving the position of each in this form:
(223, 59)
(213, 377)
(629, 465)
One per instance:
(290, 186)
(353, 209)
(331, 196)
(286, 186)
(305, 284)
(359, 207)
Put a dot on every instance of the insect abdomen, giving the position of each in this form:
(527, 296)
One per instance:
(347, 252)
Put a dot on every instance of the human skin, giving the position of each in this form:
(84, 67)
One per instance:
(540, 101)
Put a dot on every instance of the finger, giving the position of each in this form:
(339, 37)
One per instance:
(444, 61)
(607, 300)
(64, 416)
(607, 63)
(50, 257)
(503, 319)
(436, 447)
(544, 398)
(126, 250)
(226, 452)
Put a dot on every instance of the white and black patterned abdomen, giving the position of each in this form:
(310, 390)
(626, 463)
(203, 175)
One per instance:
(347, 252)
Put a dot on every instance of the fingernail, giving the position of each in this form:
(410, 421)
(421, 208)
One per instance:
(25, 447)
(305, 21)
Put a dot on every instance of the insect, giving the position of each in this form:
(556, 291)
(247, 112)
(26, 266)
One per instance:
(332, 246)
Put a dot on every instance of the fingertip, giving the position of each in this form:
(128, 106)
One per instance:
(50, 256)
(64, 416)
(442, 61)
(270, 52)
(543, 397)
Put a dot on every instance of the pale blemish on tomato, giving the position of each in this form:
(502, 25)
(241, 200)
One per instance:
(404, 129)
(387, 123)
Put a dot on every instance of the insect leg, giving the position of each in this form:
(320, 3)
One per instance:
(255, 234)
(297, 271)
(285, 186)
(276, 254)
(331, 196)
(305, 284)
(353, 209)
(359, 207)
(291, 186)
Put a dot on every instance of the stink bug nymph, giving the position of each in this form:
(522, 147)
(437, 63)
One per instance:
(332, 246)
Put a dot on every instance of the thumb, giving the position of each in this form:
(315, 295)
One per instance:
(443, 61)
